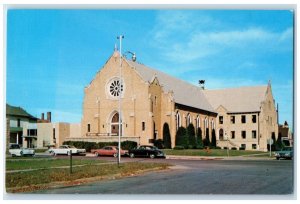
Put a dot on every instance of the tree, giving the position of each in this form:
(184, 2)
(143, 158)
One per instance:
(199, 143)
(190, 134)
(213, 138)
(181, 139)
(166, 136)
(206, 141)
(279, 145)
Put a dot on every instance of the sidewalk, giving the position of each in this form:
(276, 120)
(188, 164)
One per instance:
(218, 158)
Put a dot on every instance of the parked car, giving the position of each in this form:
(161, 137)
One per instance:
(108, 151)
(146, 151)
(286, 153)
(17, 150)
(66, 149)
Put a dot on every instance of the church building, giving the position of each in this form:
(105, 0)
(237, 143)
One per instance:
(151, 98)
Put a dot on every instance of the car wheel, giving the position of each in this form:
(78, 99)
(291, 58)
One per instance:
(96, 154)
(115, 155)
(152, 156)
(21, 153)
(277, 158)
(53, 154)
(131, 155)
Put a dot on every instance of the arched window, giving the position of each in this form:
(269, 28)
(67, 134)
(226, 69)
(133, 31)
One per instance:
(198, 122)
(221, 134)
(114, 124)
(188, 119)
(205, 123)
(178, 120)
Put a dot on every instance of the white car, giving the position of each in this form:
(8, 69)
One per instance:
(16, 150)
(66, 149)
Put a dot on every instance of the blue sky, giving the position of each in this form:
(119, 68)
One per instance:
(53, 54)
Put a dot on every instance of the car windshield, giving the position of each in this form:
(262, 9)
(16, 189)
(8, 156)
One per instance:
(71, 146)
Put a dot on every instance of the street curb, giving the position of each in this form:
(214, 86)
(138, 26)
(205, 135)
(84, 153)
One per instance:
(193, 158)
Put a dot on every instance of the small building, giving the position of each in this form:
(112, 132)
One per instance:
(18, 119)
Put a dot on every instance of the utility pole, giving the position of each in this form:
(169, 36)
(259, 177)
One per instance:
(120, 98)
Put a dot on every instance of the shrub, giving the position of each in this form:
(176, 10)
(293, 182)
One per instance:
(218, 147)
(167, 136)
(190, 134)
(199, 138)
(181, 139)
(213, 139)
(159, 144)
(207, 137)
(126, 145)
(205, 142)
(93, 145)
(178, 147)
(199, 146)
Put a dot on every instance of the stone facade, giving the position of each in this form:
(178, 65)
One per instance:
(146, 106)
(249, 129)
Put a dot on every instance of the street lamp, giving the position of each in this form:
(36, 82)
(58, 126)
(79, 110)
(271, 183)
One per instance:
(133, 55)
(120, 114)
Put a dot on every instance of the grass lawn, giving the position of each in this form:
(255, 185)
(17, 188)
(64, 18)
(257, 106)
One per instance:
(211, 152)
(46, 176)
(35, 163)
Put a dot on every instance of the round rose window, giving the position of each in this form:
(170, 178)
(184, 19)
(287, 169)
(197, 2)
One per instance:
(114, 88)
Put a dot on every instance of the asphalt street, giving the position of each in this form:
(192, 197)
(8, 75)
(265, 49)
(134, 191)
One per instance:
(218, 177)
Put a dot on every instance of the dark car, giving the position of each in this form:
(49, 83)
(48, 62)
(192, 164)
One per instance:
(146, 151)
(286, 153)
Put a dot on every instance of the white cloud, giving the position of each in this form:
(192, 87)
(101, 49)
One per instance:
(199, 41)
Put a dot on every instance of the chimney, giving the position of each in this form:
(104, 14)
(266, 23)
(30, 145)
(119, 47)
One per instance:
(49, 116)
(43, 116)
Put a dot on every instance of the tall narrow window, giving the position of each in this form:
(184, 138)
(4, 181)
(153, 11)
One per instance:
(19, 122)
(253, 134)
(243, 119)
(188, 120)
(244, 134)
(220, 119)
(178, 120)
(232, 119)
(232, 134)
(253, 118)
(89, 127)
(198, 122)
(143, 126)
(221, 134)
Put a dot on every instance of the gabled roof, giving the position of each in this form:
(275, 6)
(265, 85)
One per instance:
(184, 93)
(17, 111)
(238, 100)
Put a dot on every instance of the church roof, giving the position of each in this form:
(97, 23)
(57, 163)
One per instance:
(184, 93)
(237, 100)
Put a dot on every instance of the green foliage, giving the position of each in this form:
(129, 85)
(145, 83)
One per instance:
(126, 145)
(159, 144)
(181, 139)
(279, 144)
(199, 143)
(166, 136)
(178, 148)
(190, 134)
(213, 138)
(206, 141)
